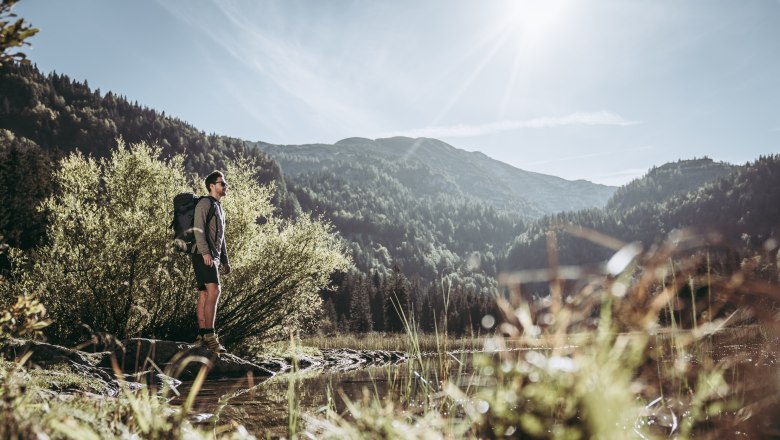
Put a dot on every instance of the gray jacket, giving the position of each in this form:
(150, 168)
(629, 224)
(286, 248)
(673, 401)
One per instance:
(215, 243)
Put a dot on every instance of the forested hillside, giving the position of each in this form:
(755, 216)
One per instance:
(406, 243)
(741, 203)
(660, 183)
(388, 224)
(43, 117)
(421, 204)
(423, 219)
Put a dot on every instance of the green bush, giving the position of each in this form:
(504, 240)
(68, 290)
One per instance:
(108, 265)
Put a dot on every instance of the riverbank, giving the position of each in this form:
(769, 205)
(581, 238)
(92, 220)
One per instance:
(703, 380)
(130, 388)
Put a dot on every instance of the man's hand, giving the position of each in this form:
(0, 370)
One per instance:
(207, 260)
(228, 269)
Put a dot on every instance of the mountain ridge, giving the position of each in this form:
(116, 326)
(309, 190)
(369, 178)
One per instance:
(737, 203)
(473, 173)
(664, 181)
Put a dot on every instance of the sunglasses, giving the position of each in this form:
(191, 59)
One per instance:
(224, 184)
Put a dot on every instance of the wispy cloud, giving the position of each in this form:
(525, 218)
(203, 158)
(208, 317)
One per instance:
(464, 130)
(619, 178)
(294, 75)
(588, 155)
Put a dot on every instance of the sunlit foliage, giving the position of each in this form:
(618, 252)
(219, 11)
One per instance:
(14, 32)
(108, 264)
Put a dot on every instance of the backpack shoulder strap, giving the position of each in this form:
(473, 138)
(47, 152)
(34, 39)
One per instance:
(212, 209)
(212, 212)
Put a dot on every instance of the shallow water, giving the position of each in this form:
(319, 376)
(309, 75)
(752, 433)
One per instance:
(261, 405)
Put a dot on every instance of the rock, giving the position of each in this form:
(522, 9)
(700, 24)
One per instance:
(168, 381)
(182, 360)
(274, 364)
(306, 362)
(167, 362)
(348, 359)
(41, 352)
(47, 356)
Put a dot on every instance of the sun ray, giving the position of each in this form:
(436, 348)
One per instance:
(533, 21)
(510, 86)
(472, 76)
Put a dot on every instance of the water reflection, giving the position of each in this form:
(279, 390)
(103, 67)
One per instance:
(262, 405)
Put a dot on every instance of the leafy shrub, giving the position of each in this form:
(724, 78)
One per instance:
(24, 319)
(109, 266)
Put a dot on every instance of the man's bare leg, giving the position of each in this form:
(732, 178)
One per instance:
(212, 294)
(210, 300)
(201, 309)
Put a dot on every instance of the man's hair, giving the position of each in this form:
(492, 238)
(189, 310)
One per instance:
(212, 179)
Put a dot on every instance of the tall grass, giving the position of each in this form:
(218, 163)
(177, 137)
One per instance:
(427, 343)
(293, 403)
(60, 403)
(659, 360)
(63, 402)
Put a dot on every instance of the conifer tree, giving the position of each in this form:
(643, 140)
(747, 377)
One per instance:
(377, 302)
(360, 307)
(396, 301)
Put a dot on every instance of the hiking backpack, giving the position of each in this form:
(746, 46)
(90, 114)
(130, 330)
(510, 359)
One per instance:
(184, 219)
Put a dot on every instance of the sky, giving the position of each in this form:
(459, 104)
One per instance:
(600, 90)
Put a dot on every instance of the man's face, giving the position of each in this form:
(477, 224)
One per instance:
(221, 186)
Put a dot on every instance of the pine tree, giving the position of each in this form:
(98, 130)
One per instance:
(25, 178)
(397, 301)
(377, 303)
(360, 307)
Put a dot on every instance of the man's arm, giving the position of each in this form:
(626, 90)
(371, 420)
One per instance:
(223, 256)
(224, 259)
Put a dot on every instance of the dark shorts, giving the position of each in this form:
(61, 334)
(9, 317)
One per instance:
(204, 274)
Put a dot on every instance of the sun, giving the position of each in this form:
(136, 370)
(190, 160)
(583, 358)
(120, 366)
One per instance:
(520, 29)
(529, 28)
(533, 20)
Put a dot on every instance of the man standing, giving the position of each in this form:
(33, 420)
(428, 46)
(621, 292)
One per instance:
(210, 252)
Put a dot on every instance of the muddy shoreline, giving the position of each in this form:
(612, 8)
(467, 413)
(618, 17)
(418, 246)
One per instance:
(149, 361)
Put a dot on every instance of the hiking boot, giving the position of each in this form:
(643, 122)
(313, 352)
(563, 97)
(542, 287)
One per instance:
(199, 342)
(212, 342)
